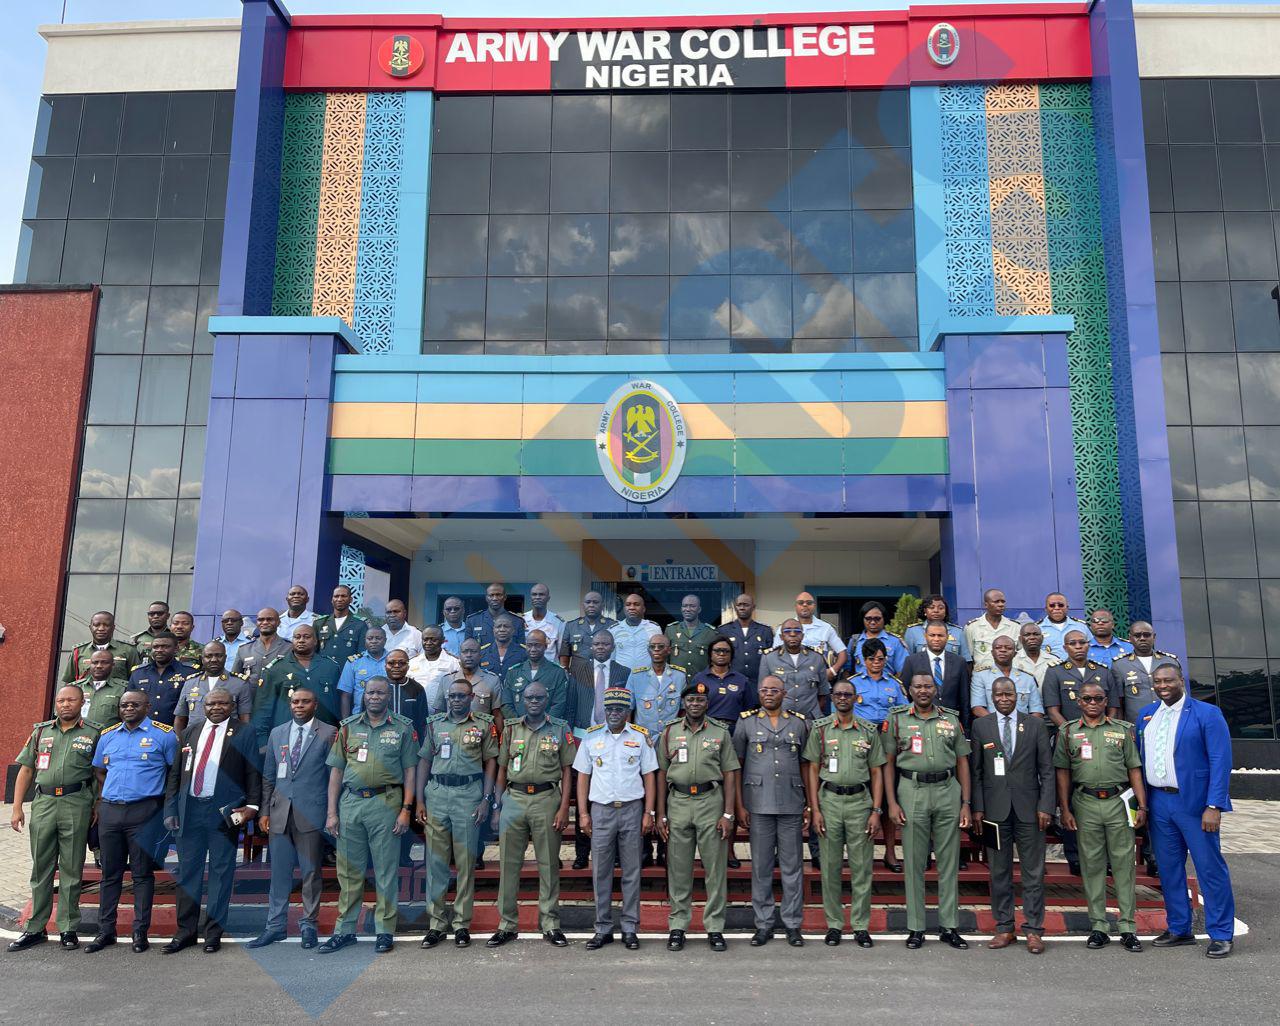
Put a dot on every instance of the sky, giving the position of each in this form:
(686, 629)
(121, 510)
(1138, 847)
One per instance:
(22, 51)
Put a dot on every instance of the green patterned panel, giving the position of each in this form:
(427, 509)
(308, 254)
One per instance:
(1077, 273)
(299, 204)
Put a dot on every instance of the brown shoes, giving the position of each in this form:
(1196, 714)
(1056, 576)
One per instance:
(1034, 944)
(1001, 940)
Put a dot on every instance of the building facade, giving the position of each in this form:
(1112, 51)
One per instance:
(863, 305)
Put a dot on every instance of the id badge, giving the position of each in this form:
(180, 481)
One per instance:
(682, 755)
(917, 745)
(446, 748)
(362, 755)
(997, 765)
(516, 762)
(833, 765)
(42, 761)
(1086, 751)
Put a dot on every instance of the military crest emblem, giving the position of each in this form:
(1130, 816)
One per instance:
(943, 44)
(401, 56)
(641, 441)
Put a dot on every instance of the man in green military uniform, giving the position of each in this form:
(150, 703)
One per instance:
(189, 650)
(302, 665)
(845, 788)
(157, 622)
(531, 801)
(370, 800)
(690, 638)
(102, 630)
(924, 745)
(697, 785)
(340, 634)
(59, 758)
(1096, 758)
(102, 691)
(457, 762)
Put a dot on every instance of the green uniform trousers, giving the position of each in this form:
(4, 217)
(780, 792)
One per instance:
(365, 835)
(1103, 832)
(526, 817)
(933, 823)
(845, 817)
(452, 830)
(59, 828)
(692, 821)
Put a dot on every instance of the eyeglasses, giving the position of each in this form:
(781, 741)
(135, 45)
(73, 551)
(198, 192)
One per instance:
(1092, 698)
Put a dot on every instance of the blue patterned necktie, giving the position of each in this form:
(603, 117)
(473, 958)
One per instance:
(937, 670)
(296, 754)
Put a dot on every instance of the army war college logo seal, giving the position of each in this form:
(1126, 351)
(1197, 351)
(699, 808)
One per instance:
(943, 44)
(641, 441)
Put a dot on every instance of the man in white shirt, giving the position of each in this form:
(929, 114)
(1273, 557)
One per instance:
(539, 618)
(820, 635)
(632, 633)
(401, 635)
(296, 612)
(434, 668)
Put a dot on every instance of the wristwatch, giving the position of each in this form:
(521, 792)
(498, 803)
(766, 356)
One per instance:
(1216, 808)
(878, 812)
(727, 815)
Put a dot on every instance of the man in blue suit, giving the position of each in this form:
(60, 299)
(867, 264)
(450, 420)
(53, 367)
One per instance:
(1186, 755)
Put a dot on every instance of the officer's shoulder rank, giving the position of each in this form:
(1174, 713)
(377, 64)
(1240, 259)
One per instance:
(892, 677)
(163, 726)
(42, 723)
(866, 724)
(598, 726)
(748, 713)
(823, 721)
(640, 729)
(194, 676)
(680, 668)
(971, 622)
(892, 635)
(642, 669)
(896, 709)
(1093, 666)
(1065, 664)
(349, 719)
(352, 658)
(114, 726)
(136, 666)
(948, 710)
(557, 722)
(717, 723)
(402, 718)
(437, 717)
(792, 712)
(484, 646)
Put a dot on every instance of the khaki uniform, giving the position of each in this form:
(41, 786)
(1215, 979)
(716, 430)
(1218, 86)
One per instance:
(1035, 667)
(457, 750)
(1099, 759)
(123, 657)
(60, 815)
(373, 760)
(535, 758)
(979, 634)
(102, 705)
(844, 757)
(926, 749)
(695, 803)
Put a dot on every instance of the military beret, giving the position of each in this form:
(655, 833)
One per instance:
(617, 696)
(698, 688)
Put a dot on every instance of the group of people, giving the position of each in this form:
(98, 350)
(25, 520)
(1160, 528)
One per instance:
(332, 731)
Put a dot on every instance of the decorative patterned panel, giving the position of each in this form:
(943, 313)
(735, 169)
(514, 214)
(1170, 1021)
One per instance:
(1019, 247)
(378, 255)
(338, 218)
(351, 573)
(303, 150)
(967, 201)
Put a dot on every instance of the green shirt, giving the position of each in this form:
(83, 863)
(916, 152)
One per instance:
(689, 646)
(710, 752)
(60, 757)
(459, 747)
(123, 656)
(942, 739)
(536, 756)
(102, 705)
(388, 751)
(855, 748)
(142, 642)
(1110, 747)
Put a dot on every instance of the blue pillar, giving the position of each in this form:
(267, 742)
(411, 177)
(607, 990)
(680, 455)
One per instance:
(1014, 523)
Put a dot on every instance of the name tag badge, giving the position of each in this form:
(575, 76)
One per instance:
(997, 765)
(282, 769)
(1086, 751)
(917, 745)
(516, 762)
(363, 754)
(833, 765)
(42, 761)
(682, 755)
(446, 748)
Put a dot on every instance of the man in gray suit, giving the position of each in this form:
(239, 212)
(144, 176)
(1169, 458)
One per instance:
(1013, 786)
(295, 782)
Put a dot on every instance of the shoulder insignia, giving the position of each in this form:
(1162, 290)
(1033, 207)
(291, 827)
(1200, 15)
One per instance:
(482, 717)
(163, 726)
(822, 721)
(42, 723)
(557, 721)
(899, 709)
(1065, 664)
(973, 621)
(402, 718)
(193, 676)
(349, 719)
(352, 658)
(671, 723)
(1165, 655)
(436, 718)
(136, 666)
(948, 709)
(893, 677)
(747, 714)
(642, 730)
(892, 635)
(679, 669)
(593, 729)
(114, 726)
(719, 723)
(1092, 665)
(792, 712)
(641, 669)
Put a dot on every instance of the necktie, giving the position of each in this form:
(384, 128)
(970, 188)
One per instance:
(296, 754)
(600, 686)
(937, 670)
(1162, 746)
(1006, 734)
(204, 761)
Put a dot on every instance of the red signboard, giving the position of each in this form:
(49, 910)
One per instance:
(867, 49)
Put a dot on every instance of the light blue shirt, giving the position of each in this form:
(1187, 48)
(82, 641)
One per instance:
(136, 759)
(913, 639)
(656, 702)
(1115, 650)
(288, 623)
(877, 697)
(1029, 698)
(896, 651)
(616, 763)
(1054, 633)
(233, 647)
(631, 644)
(454, 637)
(355, 672)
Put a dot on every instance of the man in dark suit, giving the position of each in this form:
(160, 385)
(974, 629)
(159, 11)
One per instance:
(295, 796)
(1186, 757)
(213, 787)
(1013, 785)
(949, 671)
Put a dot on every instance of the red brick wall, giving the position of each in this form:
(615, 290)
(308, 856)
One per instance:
(46, 337)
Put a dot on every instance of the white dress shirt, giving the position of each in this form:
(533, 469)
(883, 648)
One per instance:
(616, 763)
(1161, 733)
(210, 779)
(288, 623)
(820, 635)
(408, 639)
(552, 627)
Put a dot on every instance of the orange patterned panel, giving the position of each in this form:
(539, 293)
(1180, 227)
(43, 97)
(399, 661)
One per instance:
(338, 221)
(1019, 236)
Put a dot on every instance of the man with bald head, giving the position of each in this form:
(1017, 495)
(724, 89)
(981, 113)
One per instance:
(982, 630)
(539, 617)
(296, 611)
(820, 635)
(234, 634)
(751, 638)
(480, 625)
(255, 656)
(690, 638)
(302, 665)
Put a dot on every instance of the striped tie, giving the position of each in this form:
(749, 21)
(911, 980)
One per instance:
(937, 670)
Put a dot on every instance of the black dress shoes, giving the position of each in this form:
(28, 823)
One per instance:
(337, 942)
(1073, 868)
(383, 944)
(500, 938)
(630, 941)
(1097, 939)
(581, 862)
(735, 862)
(599, 941)
(69, 940)
(432, 938)
(264, 938)
(675, 940)
(174, 946)
(1130, 942)
(795, 938)
(716, 940)
(309, 938)
(1173, 940)
(140, 942)
(29, 940)
(761, 938)
(103, 940)
(891, 866)
(863, 939)
(953, 938)
(1218, 949)
(832, 939)
(556, 937)
(462, 939)
(915, 939)
(212, 947)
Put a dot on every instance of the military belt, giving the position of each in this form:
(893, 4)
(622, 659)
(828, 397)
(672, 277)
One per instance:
(369, 792)
(843, 788)
(927, 778)
(60, 790)
(456, 779)
(710, 785)
(546, 785)
(1166, 790)
(1100, 792)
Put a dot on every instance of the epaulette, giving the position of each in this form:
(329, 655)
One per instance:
(401, 717)
(114, 726)
(749, 712)
(673, 666)
(487, 644)
(893, 677)
(1096, 666)
(239, 676)
(193, 676)
(353, 658)
(642, 730)
(892, 635)
(822, 721)
(557, 721)
(136, 666)
(436, 717)
(898, 709)
(598, 726)
(641, 669)
(975, 620)
(349, 719)
(948, 709)
(43, 723)
(718, 723)
(792, 712)
(163, 726)
(483, 717)
(270, 663)
(672, 723)
(1065, 663)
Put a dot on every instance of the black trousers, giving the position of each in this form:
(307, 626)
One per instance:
(128, 835)
(204, 836)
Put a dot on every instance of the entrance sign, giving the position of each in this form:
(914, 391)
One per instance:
(641, 441)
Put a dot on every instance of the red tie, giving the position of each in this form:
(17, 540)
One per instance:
(204, 761)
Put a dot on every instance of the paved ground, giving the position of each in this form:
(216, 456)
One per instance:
(285, 984)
